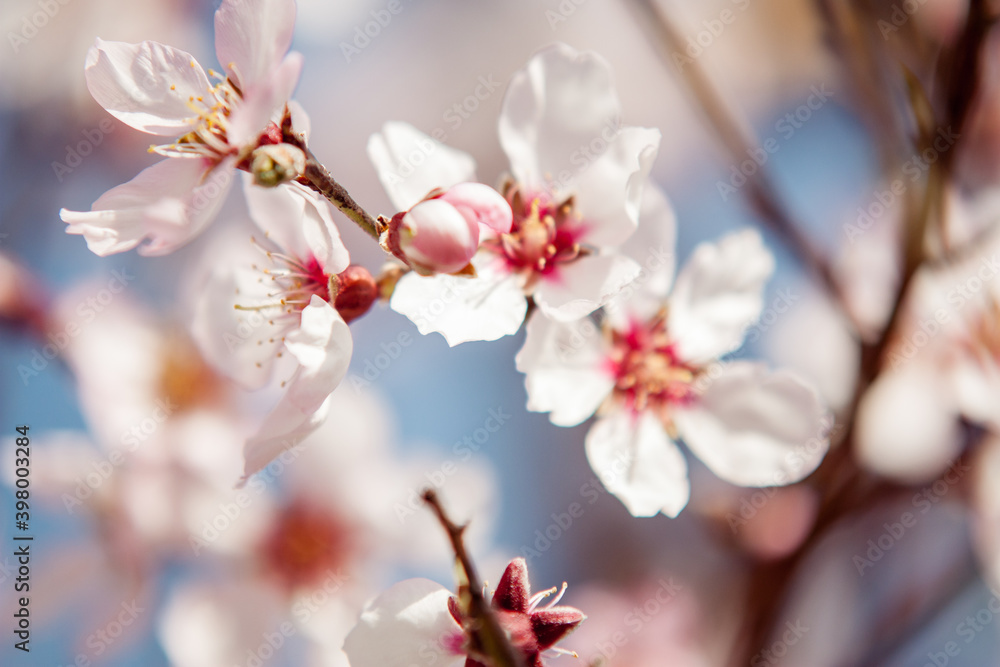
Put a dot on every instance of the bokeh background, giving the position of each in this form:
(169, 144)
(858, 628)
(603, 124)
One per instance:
(428, 58)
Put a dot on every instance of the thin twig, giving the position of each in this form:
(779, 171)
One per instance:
(739, 143)
(488, 633)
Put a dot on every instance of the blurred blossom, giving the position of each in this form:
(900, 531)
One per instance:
(655, 622)
(320, 549)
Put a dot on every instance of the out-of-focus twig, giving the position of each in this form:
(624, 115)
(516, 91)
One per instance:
(739, 143)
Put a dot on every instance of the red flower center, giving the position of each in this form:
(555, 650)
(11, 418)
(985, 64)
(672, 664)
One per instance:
(306, 545)
(647, 371)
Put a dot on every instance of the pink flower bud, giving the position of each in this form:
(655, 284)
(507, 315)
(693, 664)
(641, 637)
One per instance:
(441, 233)
(481, 203)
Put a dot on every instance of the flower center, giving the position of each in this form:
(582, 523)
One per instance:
(543, 236)
(648, 374)
(209, 138)
(306, 545)
(186, 381)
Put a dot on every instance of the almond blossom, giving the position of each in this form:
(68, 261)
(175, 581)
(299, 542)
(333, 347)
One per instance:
(163, 91)
(420, 615)
(577, 182)
(653, 376)
(296, 298)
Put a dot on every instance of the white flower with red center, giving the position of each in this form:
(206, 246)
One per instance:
(578, 178)
(296, 298)
(163, 91)
(652, 376)
(419, 615)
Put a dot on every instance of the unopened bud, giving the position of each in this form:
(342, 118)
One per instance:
(274, 164)
(354, 291)
(441, 233)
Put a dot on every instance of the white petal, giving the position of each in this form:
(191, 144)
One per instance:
(487, 307)
(718, 294)
(639, 464)
(408, 619)
(907, 424)
(166, 205)
(977, 388)
(557, 110)
(146, 85)
(253, 35)
(242, 344)
(299, 221)
(565, 368)
(654, 247)
(581, 287)
(264, 102)
(753, 427)
(410, 164)
(322, 345)
(609, 191)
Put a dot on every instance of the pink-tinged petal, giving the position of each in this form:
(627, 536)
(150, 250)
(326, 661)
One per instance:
(253, 36)
(609, 189)
(147, 85)
(482, 204)
(487, 307)
(408, 617)
(322, 345)
(639, 464)
(753, 427)
(299, 221)
(718, 294)
(564, 366)
(579, 288)
(514, 591)
(976, 378)
(558, 110)
(434, 237)
(907, 424)
(410, 164)
(165, 205)
(264, 102)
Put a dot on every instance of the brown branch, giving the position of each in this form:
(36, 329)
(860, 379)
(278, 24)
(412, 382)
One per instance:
(739, 143)
(489, 636)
